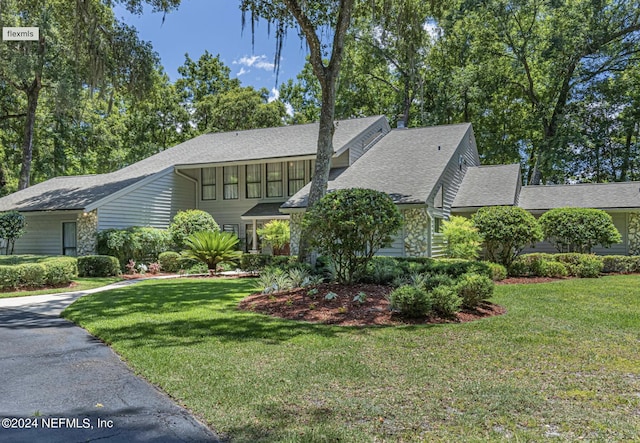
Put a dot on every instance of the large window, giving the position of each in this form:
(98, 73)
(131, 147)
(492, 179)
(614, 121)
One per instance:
(254, 181)
(69, 242)
(274, 179)
(296, 176)
(230, 182)
(208, 180)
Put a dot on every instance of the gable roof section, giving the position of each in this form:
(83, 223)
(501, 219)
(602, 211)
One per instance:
(406, 164)
(588, 195)
(489, 186)
(80, 192)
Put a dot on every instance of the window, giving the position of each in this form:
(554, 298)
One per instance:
(249, 237)
(274, 179)
(296, 176)
(254, 181)
(208, 181)
(437, 225)
(69, 239)
(230, 182)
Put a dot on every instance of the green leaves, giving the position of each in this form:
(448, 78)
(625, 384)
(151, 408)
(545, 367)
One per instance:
(579, 229)
(212, 248)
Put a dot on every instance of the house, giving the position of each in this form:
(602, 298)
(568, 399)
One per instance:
(246, 178)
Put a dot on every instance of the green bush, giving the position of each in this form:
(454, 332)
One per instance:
(140, 244)
(578, 229)
(98, 266)
(61, 270)
(381, 271)
(169, 261)
(506, 230)
(529, 265)
(445, 300)
(189, 222)
(553, 269)
(473, 289)
(9, 276)
(31, 274)
(498, 271)
(410, 301)
(463, 239)
(258, 262)
(277, 234)
(349, 226)
(589, 267)
(212, 248)
(433, 281)
(620, 264)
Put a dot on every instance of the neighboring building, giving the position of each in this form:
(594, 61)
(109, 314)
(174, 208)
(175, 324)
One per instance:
(246, 178)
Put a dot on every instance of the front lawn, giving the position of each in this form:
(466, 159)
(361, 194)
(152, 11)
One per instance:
(78, 284)
(562, 364)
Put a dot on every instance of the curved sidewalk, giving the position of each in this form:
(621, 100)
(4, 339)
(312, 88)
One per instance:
(73, 387)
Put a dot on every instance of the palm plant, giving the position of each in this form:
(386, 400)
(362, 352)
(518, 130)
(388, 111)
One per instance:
(212, 248)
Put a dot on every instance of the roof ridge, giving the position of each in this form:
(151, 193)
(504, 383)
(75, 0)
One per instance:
(581, 184)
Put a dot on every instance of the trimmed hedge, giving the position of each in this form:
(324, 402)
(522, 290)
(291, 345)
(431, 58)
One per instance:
(257, 262)
(98, 266)
(543, 265)
(169, 261)
(49, 271)
(621, 264)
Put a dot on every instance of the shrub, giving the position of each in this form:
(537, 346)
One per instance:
(578, 229)
(529, 265)
(276, 234)
(498, 272)
(553, 269)
(98, 266)
(506, 230)
(254, 262)
(589, 267)
(454, 267)
(186, 223)
(169, 261)
(463, 239)
(433, 281)
(140, 244)
(31, 274)
(473, 289)
(12, 227)
(349, 226)
(620, 264)
(410, 301)
(9, 277)
(212, 248)
(60, 270)
(445, 300)
(381, 271)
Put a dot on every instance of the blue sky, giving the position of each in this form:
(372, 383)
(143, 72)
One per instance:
(215, 25)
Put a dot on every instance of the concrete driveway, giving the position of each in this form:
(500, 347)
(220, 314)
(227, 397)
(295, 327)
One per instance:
(60, 384)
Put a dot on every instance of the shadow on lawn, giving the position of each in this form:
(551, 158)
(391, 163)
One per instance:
(162, 302)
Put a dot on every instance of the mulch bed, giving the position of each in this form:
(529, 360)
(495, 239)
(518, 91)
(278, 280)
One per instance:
(344, 310)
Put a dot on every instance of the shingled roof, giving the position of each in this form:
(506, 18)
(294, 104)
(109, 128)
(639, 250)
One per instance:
(406, 164)
(488, 186)
(588, 195)
(79, 192)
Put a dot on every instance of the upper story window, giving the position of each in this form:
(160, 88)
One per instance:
(296, 176)
(208, 180)
(230, 182)
(254, 181)
(274, 179)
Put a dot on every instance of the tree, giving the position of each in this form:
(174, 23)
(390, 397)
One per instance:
(12, 227)
(578, 229)
(506, 230)
(463, 239)
(81, 45)
(350, 225)
(277, 234)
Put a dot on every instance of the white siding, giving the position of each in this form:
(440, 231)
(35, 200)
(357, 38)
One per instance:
(153, 204)
(396, 249)
(438, 245)
(44, 233)
(364, 141)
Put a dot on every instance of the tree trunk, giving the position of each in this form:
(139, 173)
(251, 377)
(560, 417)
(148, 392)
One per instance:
(33, 93)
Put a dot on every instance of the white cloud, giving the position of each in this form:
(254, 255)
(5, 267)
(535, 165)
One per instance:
(275, 95)
(242, 71)
(255, 61)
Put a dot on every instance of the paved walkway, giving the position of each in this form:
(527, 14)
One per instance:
(73, 387)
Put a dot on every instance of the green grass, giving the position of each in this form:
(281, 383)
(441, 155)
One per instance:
(82, 285)
(561, 365)
(6, 260)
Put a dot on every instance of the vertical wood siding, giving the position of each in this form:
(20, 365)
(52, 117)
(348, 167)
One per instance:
(44, 233)
(153, 204)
